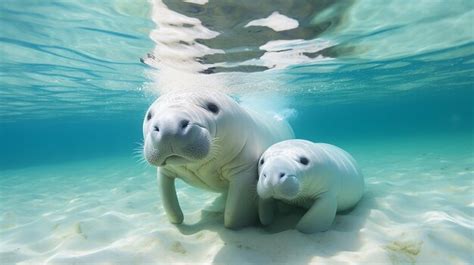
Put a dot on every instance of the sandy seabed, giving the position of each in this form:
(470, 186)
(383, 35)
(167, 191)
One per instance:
(418, 209)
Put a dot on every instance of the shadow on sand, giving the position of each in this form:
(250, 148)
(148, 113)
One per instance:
(280, 242)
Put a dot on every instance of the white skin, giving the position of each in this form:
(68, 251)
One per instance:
(320, 177)
(209, 141)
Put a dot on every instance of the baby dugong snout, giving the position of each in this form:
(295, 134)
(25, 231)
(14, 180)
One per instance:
(278, 181)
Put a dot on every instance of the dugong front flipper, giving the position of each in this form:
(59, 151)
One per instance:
(320, 216)
(169, 198)
(240, 207)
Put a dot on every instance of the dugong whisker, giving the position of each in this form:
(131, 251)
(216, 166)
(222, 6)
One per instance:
(140, 159)
(138, 154)
(139, 148)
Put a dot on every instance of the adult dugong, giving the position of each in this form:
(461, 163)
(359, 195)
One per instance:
(209, 141)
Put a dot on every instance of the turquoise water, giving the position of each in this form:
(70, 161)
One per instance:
(392, 84)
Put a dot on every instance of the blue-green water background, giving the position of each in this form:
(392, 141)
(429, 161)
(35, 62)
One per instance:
(28, 142)
(72, 85)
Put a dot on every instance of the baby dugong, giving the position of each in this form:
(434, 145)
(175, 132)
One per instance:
(320, 177)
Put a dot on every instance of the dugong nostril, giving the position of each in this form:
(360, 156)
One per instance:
(282, 175)
(156, 129)
(184, 124)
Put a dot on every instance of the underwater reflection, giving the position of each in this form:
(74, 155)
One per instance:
(243, 36)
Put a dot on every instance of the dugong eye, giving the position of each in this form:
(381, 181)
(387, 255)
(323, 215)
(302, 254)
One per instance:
(212, 107)
(262, 161)
(304, 160)
(148, 116)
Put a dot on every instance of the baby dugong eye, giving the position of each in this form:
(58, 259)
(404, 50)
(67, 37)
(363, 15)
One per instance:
(212, 107)
(304, 160)
(148, 116)
(260, 163)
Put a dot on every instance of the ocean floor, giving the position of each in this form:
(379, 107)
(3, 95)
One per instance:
(418, 208)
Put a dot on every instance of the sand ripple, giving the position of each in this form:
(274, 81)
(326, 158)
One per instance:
(418, 209)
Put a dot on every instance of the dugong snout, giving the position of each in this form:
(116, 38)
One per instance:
(169, 127)
(176, 139)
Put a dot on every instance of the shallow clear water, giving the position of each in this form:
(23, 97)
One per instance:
(392, 84)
